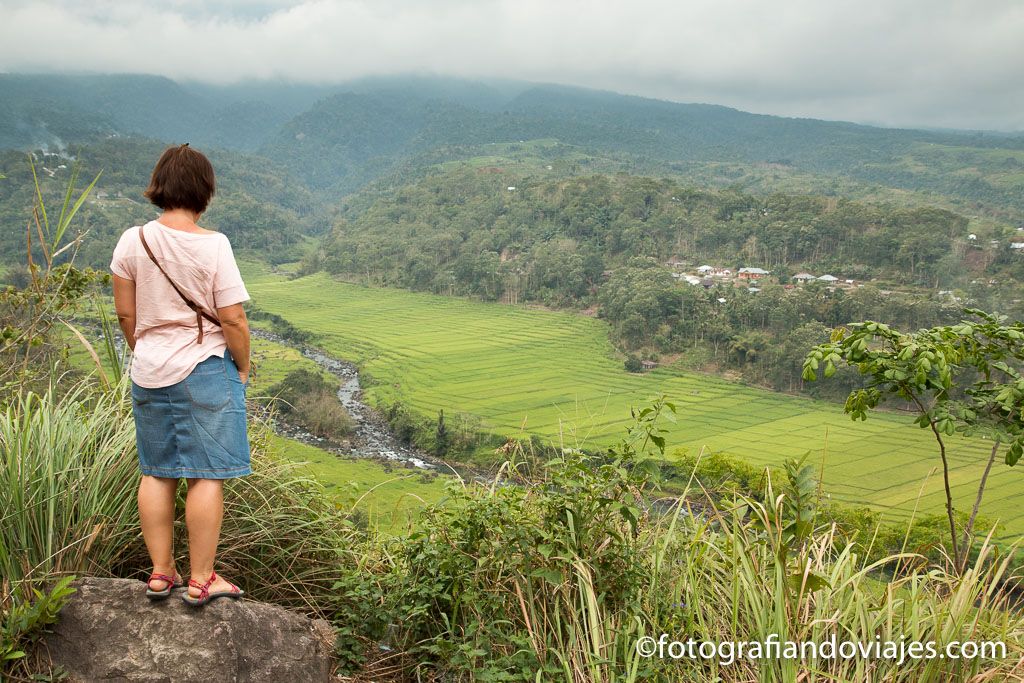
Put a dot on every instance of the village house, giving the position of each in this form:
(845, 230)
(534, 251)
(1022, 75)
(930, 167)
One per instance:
(752, 273)
(804, 277)
(648, 365)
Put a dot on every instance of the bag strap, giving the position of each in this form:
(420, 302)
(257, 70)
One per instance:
(200, 313)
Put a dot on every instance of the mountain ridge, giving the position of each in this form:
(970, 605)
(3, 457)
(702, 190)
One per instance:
(338, 138)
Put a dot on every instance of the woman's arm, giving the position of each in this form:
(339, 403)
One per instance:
(124, 305)
(235, 326)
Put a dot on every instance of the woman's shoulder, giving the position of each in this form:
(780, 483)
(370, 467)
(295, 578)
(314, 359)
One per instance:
(127, 237)
(206, 231)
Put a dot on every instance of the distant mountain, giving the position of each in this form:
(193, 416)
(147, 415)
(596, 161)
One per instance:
(52, 111)
(347, 139)
(336, 139)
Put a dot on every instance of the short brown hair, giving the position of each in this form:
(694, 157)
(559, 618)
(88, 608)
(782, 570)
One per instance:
(182, 179)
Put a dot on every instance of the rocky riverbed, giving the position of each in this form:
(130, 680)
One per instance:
(372, 438)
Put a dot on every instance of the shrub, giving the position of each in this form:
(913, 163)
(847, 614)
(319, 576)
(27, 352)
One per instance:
(518, 582)
(557, 579)
(23, 621)
(307, 398)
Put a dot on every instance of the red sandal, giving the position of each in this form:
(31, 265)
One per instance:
(171, 581)
(205, 595)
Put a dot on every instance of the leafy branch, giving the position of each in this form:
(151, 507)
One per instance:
(958, 379)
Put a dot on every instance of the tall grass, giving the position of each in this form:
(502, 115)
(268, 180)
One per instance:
(68, 477)
(721, 579)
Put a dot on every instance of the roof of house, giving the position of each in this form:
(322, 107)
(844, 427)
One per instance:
(828, 278)
(803, 276)
(754, 271)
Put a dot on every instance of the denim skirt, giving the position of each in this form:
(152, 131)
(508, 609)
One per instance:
(195, 428)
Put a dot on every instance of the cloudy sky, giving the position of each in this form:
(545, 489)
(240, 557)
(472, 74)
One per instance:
(938, 63)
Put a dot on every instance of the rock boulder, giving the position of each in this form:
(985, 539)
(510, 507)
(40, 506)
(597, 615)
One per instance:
(109, 631)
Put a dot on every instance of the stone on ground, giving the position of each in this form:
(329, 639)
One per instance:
(109, 631)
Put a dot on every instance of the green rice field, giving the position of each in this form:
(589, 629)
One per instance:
(524, 370)
(390, 496)
(272, 362)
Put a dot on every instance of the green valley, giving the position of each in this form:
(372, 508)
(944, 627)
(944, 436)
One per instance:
(534, 378)
(526, 371)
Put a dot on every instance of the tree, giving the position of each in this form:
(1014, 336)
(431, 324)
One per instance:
(746, 347)
(442, 440)
(958, 378)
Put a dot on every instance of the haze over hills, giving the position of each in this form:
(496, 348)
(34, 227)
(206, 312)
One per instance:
(52, 110)
(337, 138)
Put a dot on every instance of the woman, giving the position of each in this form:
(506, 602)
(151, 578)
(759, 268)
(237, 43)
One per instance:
(178, 296)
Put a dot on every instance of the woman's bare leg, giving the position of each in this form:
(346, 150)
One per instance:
(156, 515)
(204, 510)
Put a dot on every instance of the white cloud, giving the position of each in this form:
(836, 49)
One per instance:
(907, 62)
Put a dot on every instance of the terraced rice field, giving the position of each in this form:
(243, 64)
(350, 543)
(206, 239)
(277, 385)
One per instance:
(391, 497)
(556, 375)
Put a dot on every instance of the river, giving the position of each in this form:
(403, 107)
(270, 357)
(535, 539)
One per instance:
(372, 438)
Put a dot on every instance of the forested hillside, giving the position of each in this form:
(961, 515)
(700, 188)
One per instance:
(55, 111)
(560, 234)
(259, 206)
(348, 139)
(622, 245)
(338, 138)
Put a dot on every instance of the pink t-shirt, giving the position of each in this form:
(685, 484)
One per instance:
(203, 266)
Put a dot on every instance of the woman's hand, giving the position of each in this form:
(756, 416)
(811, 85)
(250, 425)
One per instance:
(235, 327)
(124, 305)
